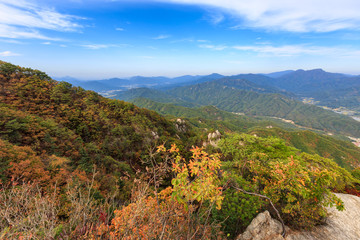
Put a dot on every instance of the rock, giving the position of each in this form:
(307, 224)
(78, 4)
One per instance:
(155, 135)
(340, 225)
(263, 227)
(180, 125)
(213, 139)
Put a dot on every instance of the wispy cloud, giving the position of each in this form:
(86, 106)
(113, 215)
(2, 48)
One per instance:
(213, 47)
(102, 46)
(119, 29)
(23, 19)
(162, 36)
(215, 17)
(287, 15)
(147, 57)
(298, 50)
(268, 50)
(96, 46)
(11, 41)
(7, 31)
(46, 43)
(8, 54)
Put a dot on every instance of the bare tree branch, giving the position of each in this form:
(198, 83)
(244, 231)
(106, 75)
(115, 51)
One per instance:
(263, 196)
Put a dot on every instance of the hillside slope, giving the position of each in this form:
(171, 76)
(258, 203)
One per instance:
(54, 118)
(344, 153)
(275, 105)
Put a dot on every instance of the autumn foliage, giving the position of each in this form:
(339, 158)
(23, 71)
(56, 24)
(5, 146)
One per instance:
(177, 212)
(75, 165)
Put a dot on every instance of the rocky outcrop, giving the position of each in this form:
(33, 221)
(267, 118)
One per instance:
(344, 225)
(213, 139)
(180, 125)
(263, 227)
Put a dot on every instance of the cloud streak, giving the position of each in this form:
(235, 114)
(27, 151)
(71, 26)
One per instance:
(268, 50)
(293, 16)
(8, 54)
(299, 50)
(162, 36)
(213, 47)
(102, 46)
(23, 19)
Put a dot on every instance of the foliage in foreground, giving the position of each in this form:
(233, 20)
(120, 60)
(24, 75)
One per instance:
(181, 211)
(299, 184)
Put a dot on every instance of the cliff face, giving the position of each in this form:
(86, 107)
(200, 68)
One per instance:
(339, 225)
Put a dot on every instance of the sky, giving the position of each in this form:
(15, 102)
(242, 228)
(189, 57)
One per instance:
(97, 39)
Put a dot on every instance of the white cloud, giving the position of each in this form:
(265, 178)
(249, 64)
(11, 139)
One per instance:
(147, 57)
(102, 46)
(11, 41)
(96, 46)
(8, 54)
(213, 47)
(7, 31)
(162, 36)
(23, 19)
(268, 50)
(46, 43)
(298, 50)
(119, 29)
(290, 15)
(215, 17)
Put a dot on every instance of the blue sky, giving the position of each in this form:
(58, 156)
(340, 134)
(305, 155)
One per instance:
(95, 39)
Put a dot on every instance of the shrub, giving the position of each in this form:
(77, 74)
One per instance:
(298, 184)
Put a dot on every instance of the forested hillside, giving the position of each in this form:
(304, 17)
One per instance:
(345, 153)
(56, 119)
(240, 95)
(75, 165)
(276, 105)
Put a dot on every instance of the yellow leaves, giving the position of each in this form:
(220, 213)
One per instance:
(204, 183)
(196, 180)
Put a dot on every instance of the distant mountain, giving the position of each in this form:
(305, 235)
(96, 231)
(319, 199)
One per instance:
(260, 82)
(278, 74)
(192, 81)
(186, 78)
(328, 89)
(168, 97)
(138, 82)
(153, 94)
(306, 82)
(251, 101)
(66, 79)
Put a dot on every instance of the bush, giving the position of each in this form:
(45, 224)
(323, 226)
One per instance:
(298, 184)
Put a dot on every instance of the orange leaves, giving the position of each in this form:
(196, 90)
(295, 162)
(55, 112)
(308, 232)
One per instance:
(148, 218)
(145, 218)
(171, 215)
